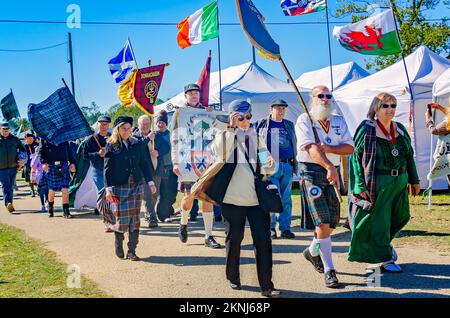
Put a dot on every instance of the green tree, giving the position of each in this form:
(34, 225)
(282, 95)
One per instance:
(133, 111)
(415, 27)
(91, 113)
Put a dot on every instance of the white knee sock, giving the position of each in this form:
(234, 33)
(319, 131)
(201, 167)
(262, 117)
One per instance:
(208, 220)
(313, 247)
(184, 217)
(325, 253)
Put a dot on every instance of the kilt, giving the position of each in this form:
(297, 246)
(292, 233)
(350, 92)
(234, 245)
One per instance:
(127, 212)
(43, 185)
(320, 204)
(186, 186)
(55, 182)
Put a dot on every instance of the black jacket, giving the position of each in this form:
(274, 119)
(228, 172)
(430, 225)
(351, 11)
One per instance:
(91, 150)
(50, 153)
(123, 161)
(9, 147)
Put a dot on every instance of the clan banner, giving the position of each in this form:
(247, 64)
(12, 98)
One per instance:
(146, 88)
(441, 167)
(195, 132)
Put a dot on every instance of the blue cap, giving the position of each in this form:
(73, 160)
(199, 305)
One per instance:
(240, 106)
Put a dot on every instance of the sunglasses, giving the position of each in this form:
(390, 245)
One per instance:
(328, 96)
(242, 118)
(388, 105)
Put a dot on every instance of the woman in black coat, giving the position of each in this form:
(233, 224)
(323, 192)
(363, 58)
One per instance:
(126, 174)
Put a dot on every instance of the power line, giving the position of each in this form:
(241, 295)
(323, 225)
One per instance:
(33, 50)
(175, 24)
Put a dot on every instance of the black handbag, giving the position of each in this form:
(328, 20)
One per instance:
(268, 195)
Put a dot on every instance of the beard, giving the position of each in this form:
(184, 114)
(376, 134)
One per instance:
(321, 112)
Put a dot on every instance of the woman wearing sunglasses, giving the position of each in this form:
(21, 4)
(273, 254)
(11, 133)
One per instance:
(240, 144)
(381, 168)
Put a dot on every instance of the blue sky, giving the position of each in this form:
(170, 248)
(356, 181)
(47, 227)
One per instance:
(35, 75)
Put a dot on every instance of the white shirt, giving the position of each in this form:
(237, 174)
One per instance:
(338, 134)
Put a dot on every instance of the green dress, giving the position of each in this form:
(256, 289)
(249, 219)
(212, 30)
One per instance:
(375, 228)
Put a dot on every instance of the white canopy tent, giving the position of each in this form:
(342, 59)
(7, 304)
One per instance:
(342, 74)
(424, 67)
(247, 81)
(441, 89)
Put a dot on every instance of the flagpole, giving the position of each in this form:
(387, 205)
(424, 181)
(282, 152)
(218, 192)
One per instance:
(71, 65)
(329, 46)
(218, 48)
(410, 119)
(132, 52)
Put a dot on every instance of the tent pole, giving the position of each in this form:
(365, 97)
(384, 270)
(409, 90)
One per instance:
(220, 65)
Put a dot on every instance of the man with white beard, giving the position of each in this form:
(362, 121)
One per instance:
(319, 162)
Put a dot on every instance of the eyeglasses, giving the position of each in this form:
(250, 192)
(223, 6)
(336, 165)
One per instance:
(388, 105)
(242, 118)
(328, 96)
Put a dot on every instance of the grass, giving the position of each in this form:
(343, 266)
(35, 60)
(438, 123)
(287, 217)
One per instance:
(29, 270)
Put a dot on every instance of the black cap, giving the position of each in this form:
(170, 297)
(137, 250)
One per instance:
(123, 119)
(191, 87)
(163, 116)
(29, 133)
(5, 125)
(279, 102)
(104, 119)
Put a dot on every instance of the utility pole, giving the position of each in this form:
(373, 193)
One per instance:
(71, 64)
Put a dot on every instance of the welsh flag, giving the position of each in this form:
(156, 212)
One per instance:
(201, 26)
(375, 35)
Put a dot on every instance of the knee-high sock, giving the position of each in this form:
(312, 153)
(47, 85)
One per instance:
(313, 247)
(184, 217)
(325, 253)
(208, 220)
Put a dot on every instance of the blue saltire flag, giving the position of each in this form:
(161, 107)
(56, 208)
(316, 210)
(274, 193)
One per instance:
(252, 21)
(58, 119)
(120, 65)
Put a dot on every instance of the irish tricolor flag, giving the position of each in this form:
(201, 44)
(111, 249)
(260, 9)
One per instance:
(201, 26)
(375, 35)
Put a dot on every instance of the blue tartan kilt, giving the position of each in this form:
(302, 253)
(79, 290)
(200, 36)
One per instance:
(320, 204)
(55, 182)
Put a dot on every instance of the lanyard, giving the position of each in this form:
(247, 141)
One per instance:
(391, 136)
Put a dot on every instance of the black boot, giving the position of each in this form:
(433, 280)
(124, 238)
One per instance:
(119, 244)
(132, 244)
(50, 209)
(67, 214)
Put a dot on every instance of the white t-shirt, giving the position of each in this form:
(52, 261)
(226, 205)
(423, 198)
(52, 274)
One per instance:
(338, 134)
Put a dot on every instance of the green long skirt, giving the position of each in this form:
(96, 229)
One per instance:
(374, 229)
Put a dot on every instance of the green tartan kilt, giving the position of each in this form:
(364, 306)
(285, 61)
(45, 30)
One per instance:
(320, 204)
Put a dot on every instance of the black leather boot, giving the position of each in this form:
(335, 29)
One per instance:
(119, 244)
(132, 244)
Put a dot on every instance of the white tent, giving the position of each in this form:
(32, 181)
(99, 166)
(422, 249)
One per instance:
(441, 89)
(247, 81)
(424, 67)
(342, 74)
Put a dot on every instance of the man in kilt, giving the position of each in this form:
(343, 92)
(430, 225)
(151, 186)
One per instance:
(319, 162)
(57, 163)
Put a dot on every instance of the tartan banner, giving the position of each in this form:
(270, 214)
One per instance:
(146, 87)
(9, 108)
(58, 119)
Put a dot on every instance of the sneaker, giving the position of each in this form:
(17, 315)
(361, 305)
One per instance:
(211, 242)
(271, 293)
(316, 261)
(287, 235)
(43, 209)
(10, 207)
(152, 224)
(331, 280)
(273, 233)
(108, 230)
(183, 233)
(236, 286)
(391, 267)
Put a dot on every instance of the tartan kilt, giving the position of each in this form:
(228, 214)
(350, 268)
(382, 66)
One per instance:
(43, 184)
(55, 182)
(320, 204)
(125, 215)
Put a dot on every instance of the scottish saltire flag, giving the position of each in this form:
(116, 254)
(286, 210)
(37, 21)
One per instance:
(300, 7)
(122, 63)
(252, 22)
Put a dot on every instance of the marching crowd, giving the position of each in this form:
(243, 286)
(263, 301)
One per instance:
(134, 165)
